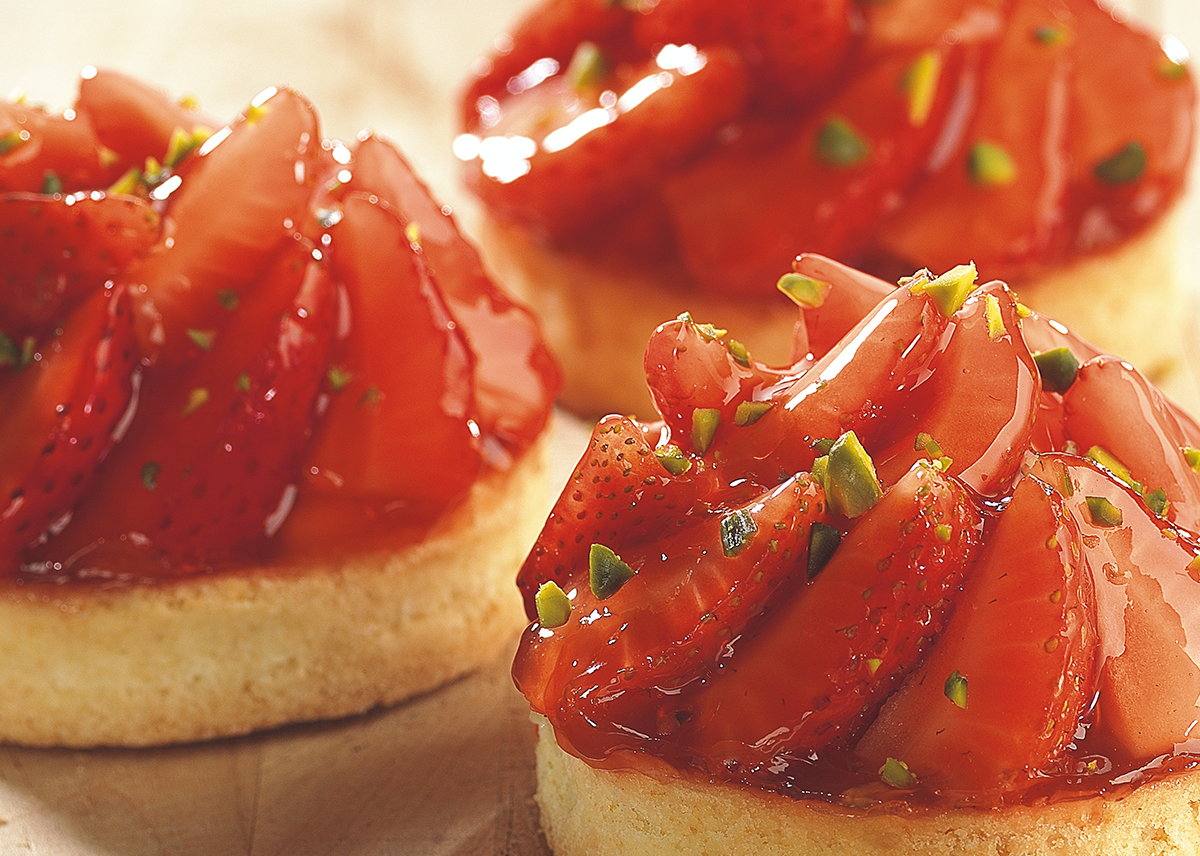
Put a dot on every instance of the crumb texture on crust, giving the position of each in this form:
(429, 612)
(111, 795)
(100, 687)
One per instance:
(599, 813)
(594, 313)
(218, 656)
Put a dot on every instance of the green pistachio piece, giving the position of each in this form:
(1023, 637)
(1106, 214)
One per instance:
(896, 774)
(242, 383)
(10, 354)
(229, 298)
(1124, 167)
(673, 460)
(1050, 34)
(202, 339)
(197, 398)
(840, 145)
(128, 182)
(991, 165)
(371, 398)
(853, 487)
(956, 689)
(183, 144)
(920, 83)
(948, 291)
(1058, 368)
(739, 352)
(926, 443)
(823, 541)
(12, 140)
(553, 605)
(1103, 512)
(822, 446)
(749, 412)
(1172, 70)
(51, 183)
(708, 331)
(820, 472)
(805, 292)
(339, 377)
(1192, 455)
(704, 426)
(606, 572)
(944, 532)
(995, 321)
(1156, 501)
(737, 528)
(1113, 464)
(588, 67)
(150, 471)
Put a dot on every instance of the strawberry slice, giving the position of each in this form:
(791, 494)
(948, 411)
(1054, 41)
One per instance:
(998, 698)
(1002, 190)
(58, 250)
(819, 669)
(852, 295)
(1112, 406)
(744, 212)
(1146, 591)
(515, 374)
(241, 200)
(42, 151)
(560, 160)
(619, 495)
(397, 441)
(622, 658)
(60, 416)
(795, 49)
(136, 121)
(978, 402)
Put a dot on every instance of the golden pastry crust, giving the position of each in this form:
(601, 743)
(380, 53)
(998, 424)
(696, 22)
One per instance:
(215, 656)
(599, 318)
(598, 813)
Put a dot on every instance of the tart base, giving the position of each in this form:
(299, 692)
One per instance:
(215, 656)
(598, 813)
(598, 316)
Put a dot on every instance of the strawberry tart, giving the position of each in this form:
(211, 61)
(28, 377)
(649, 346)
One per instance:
(272, 444)
(638, 160)
(932, 589)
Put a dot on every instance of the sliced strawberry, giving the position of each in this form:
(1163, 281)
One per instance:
(743, 213)
(619, 495)
(61, 413)
(398, 439)
(998, 699)
(515, 375)
(1147, 592)
(242, 199)
(1000, 193)
(622, 660)
(1112, 406)
(795, 49)
(852, 295)
(978, 402)
(53, 152)
(134, 120)
(561, 160)
(58, 250)
(1132, 116)
(818, 670)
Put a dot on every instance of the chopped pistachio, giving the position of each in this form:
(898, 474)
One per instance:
(1192, 455)
(1172, 70)
(183, 143)
(995, 321)
(256, 112)
(944, 532)
(10, 354)
(202, 339)
(51, 183)
(1113, 464)
(197, 398)
(852, 486)
(739, 352)
(1058, 368)
(926, 443)
(956, 689)
(242, 383)
(228, 298)
(553, 605)
(897, 774)
(823, 541)
(710, 332)
(822, 446)
(339, 377)
(1023, 311)
(991, 165)
(820, 471)
(106, 157)
(12, 140)
(1124, 167)
(737, 528)
(704, 426)
(588, 67)
(371, 398)
(749, 412)
(128, 182)
(948, 291)
(673, 460)
(873, 664)
(1050, 34)
(805, 292)
(840, 145)
(606, 571)
(920, 83)
(150, 472)
(1103, 512)
(1156, 501)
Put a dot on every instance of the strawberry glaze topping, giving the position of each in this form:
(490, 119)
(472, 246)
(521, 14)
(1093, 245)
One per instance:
(242, 344)
(725, 138)
(952, 559)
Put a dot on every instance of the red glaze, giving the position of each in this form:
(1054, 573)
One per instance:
(278, 375)
(982, 555)
(1092, 119)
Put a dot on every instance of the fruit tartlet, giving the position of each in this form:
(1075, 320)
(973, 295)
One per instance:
(933, 590)
(635, 159)
(272, 443)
